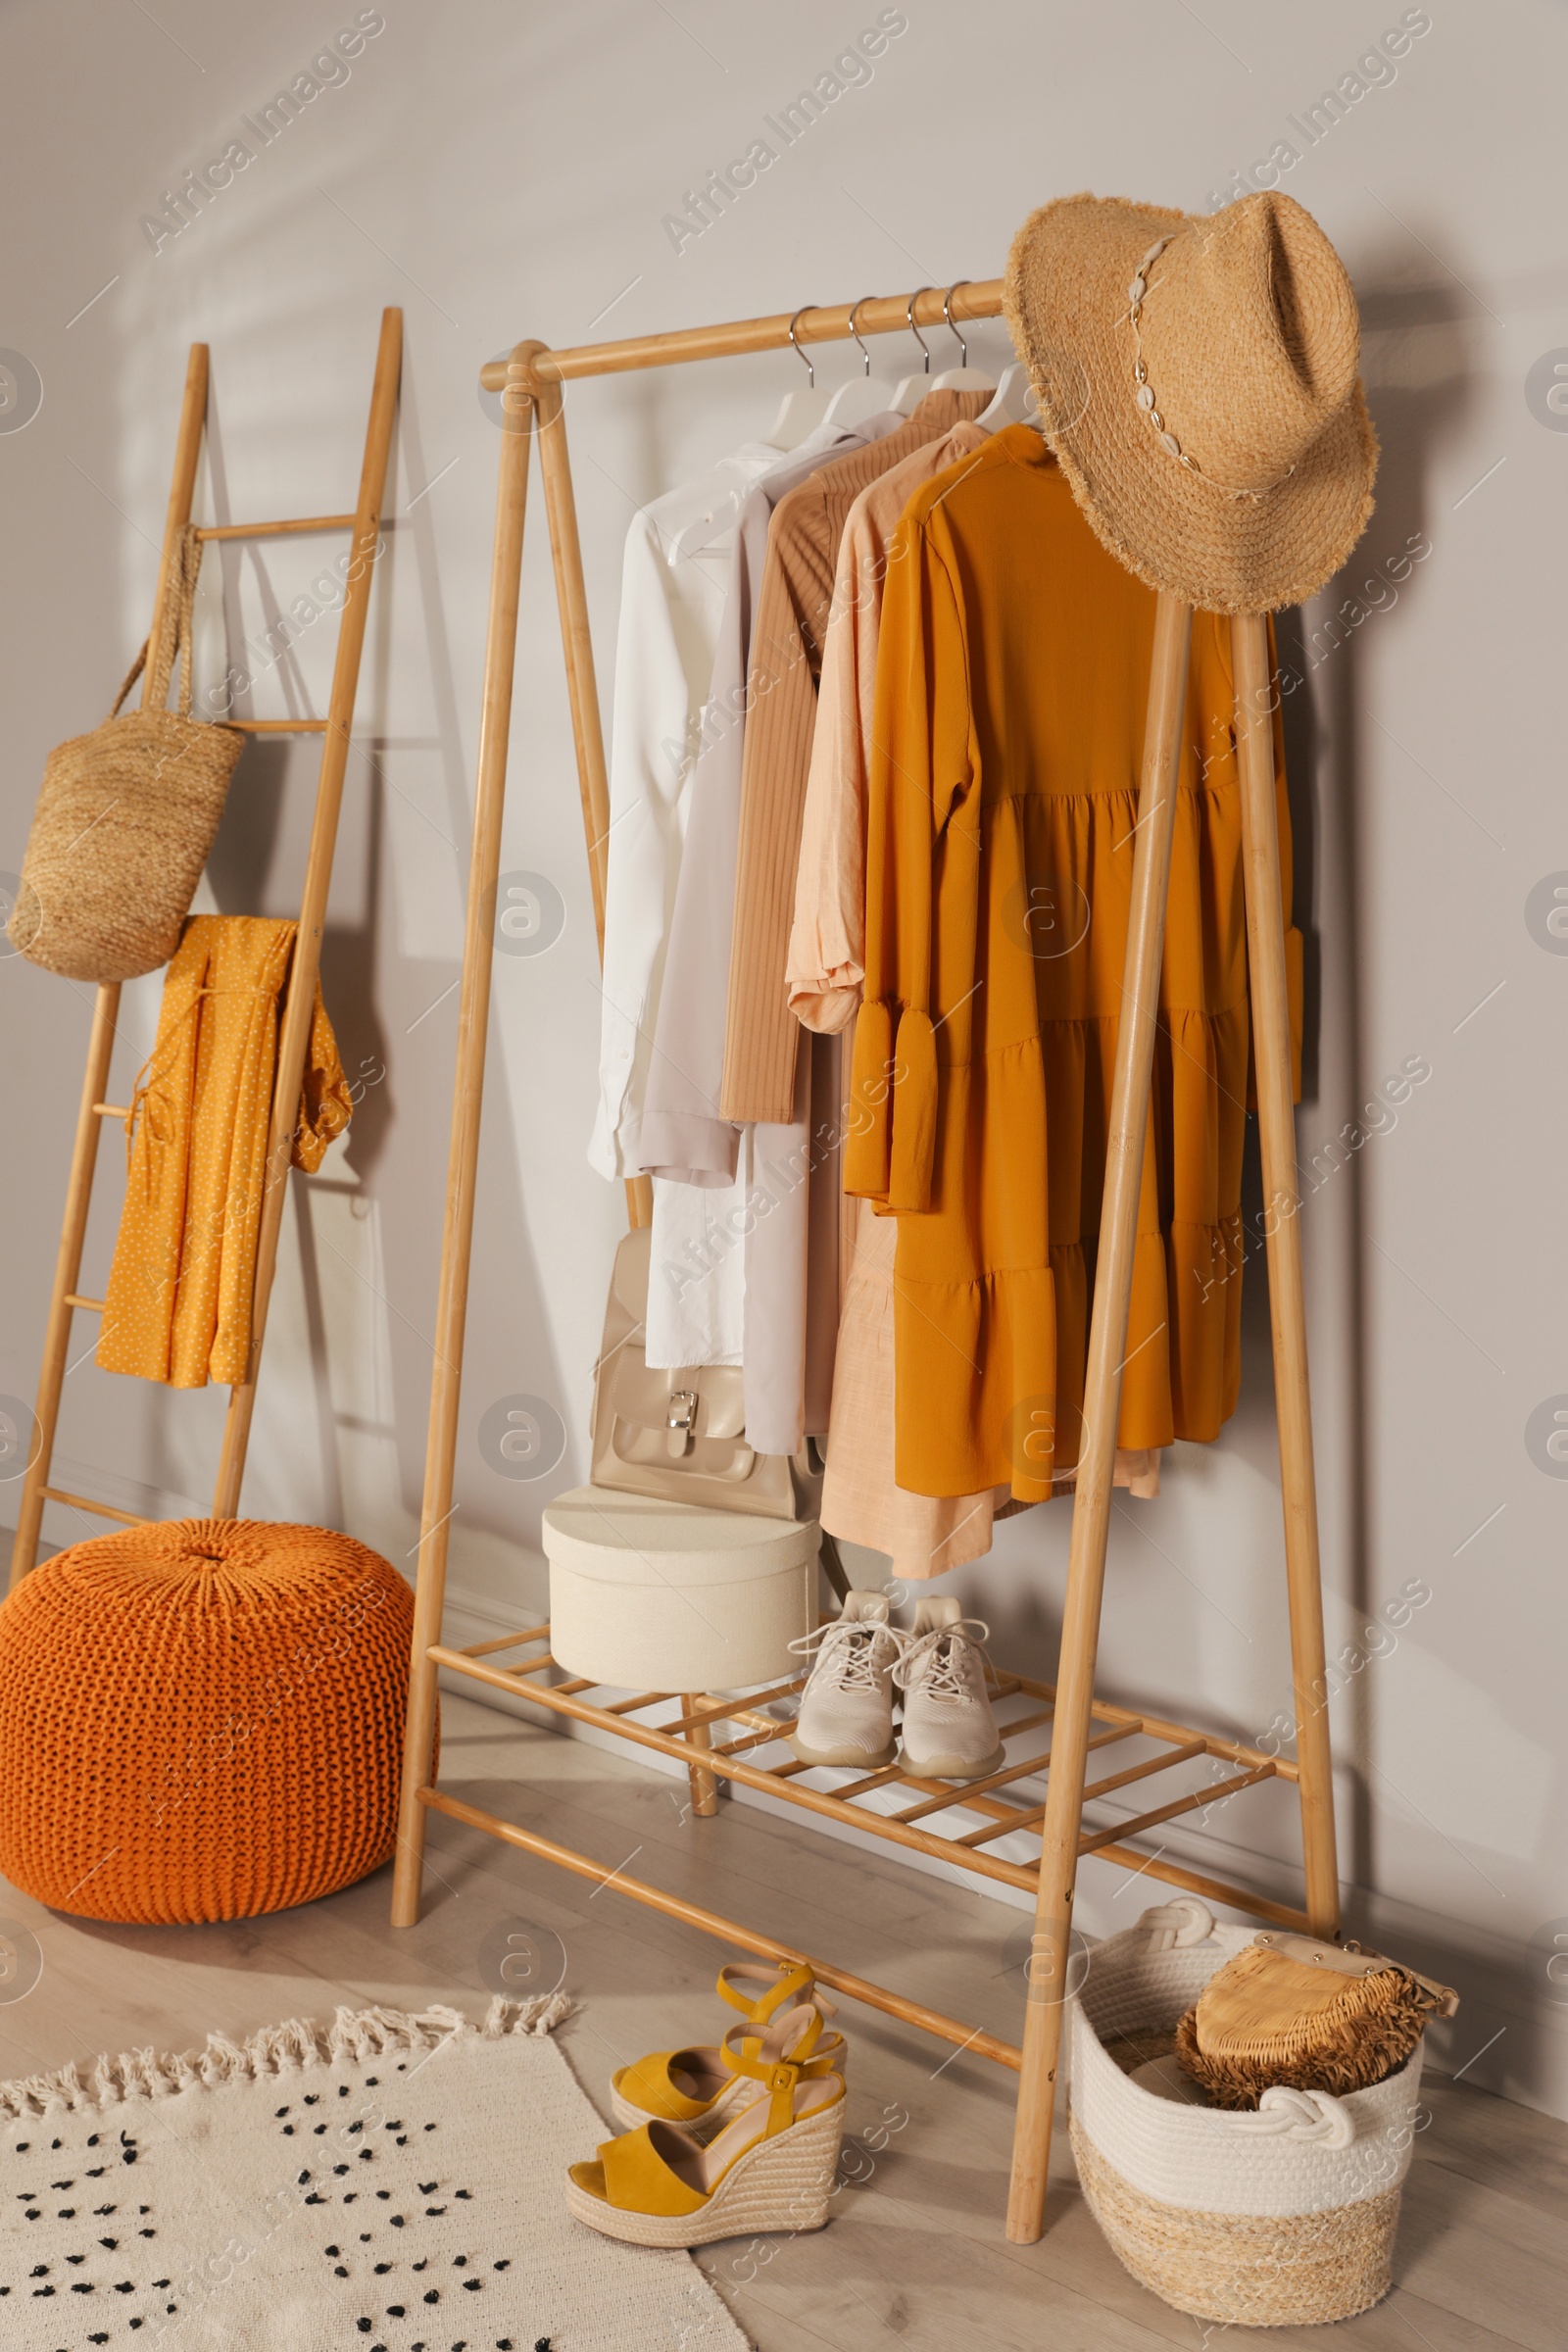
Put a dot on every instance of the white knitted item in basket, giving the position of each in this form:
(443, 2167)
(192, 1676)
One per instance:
(1146, 2162)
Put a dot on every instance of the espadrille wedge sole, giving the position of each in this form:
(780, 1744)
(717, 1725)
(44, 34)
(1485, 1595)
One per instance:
(784, 2183)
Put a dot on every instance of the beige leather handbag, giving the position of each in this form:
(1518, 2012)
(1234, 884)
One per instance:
(680, 1436)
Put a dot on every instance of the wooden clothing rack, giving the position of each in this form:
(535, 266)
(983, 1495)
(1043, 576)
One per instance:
(66, 1299)
(530, 382)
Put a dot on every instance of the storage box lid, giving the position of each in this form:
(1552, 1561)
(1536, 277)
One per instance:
(636, 1540)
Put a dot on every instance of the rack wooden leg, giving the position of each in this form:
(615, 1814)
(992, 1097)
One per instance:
(1276, 1119)
(1107, 1344)
(295, 1030)
(582, 692)
(67, 1270)
(456, 1236)
(704, 1786)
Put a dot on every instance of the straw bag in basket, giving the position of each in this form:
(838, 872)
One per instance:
(126, 818)
(680, 1436)
(1315, 2016)
(1278, 2219)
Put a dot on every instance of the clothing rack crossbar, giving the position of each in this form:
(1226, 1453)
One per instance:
(880, 314)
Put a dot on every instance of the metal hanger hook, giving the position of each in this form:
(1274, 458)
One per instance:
(854, 330)
(946, 320)
(909, 320)
(806, 361)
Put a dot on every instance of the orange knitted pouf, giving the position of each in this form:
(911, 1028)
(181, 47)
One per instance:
(201, 1720)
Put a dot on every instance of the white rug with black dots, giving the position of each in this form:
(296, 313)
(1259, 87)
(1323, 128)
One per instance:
(390, 2182)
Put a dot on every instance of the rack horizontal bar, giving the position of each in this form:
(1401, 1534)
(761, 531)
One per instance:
(729, 1931)
(275, 531)
(879, 315)
(1091, 1843)
(1184, 1746)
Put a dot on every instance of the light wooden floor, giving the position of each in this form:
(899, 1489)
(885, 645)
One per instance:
(916, 2251)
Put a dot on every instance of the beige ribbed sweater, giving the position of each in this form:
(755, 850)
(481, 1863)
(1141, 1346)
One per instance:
(761, 1033)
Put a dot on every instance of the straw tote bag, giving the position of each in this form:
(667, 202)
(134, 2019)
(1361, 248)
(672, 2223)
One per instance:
(126, 818)
(680, 1436)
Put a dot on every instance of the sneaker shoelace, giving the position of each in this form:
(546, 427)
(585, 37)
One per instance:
(936, 1660)
(847, 1652)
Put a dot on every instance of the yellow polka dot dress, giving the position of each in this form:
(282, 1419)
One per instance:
(177, 1309)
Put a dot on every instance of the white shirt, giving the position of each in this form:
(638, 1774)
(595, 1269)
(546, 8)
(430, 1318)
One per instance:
(704, 1250)
(670, 617)
(673, 581)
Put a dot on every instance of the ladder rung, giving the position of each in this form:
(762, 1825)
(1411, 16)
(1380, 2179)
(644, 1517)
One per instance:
(75, 1299)
(279, 726)
(105, 1510)
(110, 1110)
(272, 530)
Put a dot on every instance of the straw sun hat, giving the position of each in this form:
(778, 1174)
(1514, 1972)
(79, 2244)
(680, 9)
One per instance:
(1197, 377)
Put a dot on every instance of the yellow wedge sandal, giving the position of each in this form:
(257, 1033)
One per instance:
(770, 2168)
(698, 2087)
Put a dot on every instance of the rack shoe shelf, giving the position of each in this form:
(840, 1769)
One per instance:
(758, 1756)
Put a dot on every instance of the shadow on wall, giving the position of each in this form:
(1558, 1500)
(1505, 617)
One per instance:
(1420, 356)
(1421, 348)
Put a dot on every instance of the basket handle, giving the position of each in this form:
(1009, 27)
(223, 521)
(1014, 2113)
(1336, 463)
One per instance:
(174, 638)
(1313, 2115)
(1173, 1925)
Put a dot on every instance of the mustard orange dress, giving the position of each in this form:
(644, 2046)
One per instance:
(178, 1306)
(1013, 682)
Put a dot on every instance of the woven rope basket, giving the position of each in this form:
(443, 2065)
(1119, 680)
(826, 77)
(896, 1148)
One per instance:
(201, 1720)
(124, 820)
(1282, 2218)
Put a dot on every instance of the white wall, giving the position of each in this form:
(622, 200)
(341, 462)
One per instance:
(504, 173)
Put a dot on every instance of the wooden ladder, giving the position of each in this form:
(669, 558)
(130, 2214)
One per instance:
(66, 1298)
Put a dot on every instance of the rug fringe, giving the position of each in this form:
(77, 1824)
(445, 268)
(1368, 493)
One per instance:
(283, 2049)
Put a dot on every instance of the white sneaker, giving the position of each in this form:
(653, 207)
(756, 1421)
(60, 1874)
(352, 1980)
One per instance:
(846, 1712)
(949, 1733)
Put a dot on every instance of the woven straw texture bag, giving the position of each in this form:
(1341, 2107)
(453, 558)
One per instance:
(1315, 2016)
(1282, 2218)
(201, 1720)
(126, 818)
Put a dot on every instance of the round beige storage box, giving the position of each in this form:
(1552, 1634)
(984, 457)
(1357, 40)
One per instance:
(659, 1596)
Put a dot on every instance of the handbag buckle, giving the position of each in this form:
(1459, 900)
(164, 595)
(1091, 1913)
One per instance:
(682, 1412)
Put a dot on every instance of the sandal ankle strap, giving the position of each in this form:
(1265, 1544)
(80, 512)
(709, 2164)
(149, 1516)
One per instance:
(791, 1985)
(793, 2052)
